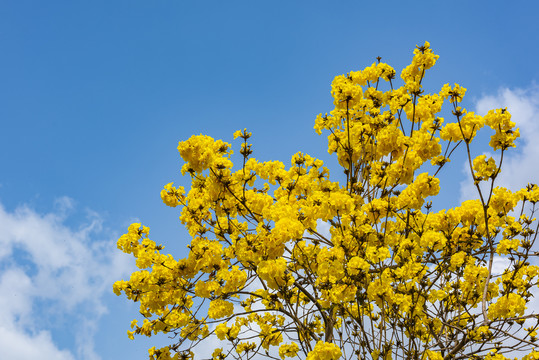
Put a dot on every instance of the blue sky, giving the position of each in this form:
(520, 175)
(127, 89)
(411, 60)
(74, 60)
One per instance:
(96, 95)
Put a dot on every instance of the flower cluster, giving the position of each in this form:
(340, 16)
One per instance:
(285, 261)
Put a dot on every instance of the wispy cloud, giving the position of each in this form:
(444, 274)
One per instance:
(53, 276)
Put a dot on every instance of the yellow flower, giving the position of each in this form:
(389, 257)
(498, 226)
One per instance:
(434, 355)
(507, 245)
(170, 195)
(288, 350)
(357, 264)
(220, 308)
(245, 347)
(484, 168)
(324, 351)
(242, 133)
(345, 92)
(507, 306)
(218, 354)
(273, 272)
(457, 260)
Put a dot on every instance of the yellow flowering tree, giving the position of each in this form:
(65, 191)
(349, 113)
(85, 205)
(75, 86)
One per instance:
(392, 279)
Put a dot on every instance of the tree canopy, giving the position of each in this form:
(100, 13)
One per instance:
(391, 279)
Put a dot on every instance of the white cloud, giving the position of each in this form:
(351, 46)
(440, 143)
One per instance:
(17, 345)
(53, 276)
(499, 264)
(519, 165)
(323, 228)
